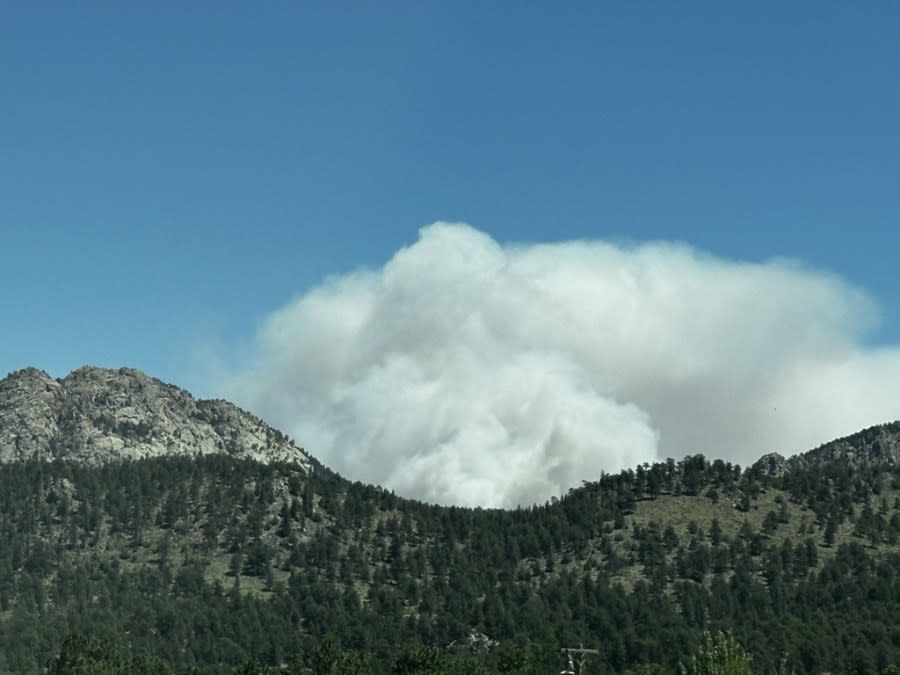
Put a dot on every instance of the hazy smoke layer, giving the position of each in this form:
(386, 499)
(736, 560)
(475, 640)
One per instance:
(472, 373)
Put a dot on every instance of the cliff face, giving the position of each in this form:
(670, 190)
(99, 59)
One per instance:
(29, 401)
(97, 415)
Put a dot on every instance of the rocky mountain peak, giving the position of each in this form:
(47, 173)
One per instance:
(97, 414)
(27, 373)
(29, 399)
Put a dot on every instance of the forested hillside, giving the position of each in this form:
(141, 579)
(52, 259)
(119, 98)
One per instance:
(214, 564)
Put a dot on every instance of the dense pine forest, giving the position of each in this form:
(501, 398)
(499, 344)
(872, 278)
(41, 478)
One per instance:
(219, 565)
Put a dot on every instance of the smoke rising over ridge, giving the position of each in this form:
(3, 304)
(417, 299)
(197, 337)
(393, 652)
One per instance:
(464, 371)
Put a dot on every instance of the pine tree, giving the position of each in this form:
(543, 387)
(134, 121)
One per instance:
(720, 654)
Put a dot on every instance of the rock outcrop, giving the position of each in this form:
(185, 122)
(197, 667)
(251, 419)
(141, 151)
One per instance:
(98, 415)
(771, 464)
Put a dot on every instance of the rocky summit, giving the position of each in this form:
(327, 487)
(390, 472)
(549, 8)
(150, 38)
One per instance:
(96, 415)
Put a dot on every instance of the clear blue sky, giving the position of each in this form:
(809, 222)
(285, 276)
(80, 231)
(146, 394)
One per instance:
(170, 173)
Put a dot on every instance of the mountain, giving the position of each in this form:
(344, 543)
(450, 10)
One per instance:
(95, 415)
(220, 547)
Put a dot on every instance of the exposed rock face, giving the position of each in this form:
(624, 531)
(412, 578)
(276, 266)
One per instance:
(29, 401)
(771, 464)
(97, 415)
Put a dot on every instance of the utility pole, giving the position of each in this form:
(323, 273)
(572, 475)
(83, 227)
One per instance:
(576, 653)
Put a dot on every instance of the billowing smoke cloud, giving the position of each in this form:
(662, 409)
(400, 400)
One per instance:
(472, 373)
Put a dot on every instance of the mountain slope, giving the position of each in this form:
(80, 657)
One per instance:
(217, 562)
(95, 415)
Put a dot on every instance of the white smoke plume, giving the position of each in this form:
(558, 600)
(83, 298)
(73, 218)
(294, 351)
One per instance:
(466, 372)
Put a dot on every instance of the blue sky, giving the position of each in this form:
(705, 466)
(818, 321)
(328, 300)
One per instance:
(172, 173)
